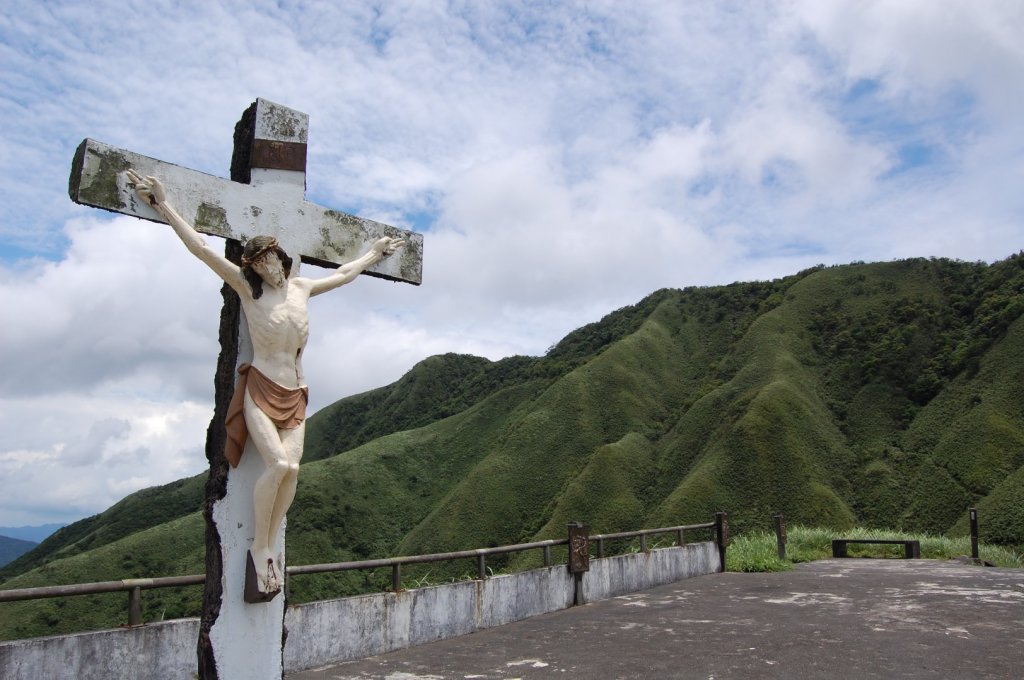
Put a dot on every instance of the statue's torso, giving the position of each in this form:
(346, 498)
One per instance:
(279, 326)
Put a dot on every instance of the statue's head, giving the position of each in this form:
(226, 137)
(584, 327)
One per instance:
(264, 261)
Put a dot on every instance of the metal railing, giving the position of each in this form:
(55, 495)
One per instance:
(396, 563)
(642, 534)
(134, 587)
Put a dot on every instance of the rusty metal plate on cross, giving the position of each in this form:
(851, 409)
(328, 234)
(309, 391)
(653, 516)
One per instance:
(579, 548)
(274, 155)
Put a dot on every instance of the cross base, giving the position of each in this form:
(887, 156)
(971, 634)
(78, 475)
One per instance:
(252, 593)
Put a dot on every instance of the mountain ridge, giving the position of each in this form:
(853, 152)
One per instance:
(884, 394)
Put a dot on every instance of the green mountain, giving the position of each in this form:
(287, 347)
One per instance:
(884, 395)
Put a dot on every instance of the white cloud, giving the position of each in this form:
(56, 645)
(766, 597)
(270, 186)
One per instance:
(126, 298)
(787, 139)
(920, 48)
(70, 456)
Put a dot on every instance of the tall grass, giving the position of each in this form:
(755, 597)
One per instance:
(758, 551)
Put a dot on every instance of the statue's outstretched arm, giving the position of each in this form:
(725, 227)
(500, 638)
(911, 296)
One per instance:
(152, 192)
(347, 272)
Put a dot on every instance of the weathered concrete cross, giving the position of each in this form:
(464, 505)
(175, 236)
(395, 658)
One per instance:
(272, 200)
(266, 195)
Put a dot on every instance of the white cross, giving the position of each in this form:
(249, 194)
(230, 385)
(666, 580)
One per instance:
(239, 639)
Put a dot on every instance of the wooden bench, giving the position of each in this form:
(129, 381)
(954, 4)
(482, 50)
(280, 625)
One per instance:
(911, 549)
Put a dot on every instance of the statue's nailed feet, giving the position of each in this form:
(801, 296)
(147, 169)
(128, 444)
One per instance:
(263, 577)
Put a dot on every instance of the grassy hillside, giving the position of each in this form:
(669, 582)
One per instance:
(141, 510)
(876, 395)
(175, 547)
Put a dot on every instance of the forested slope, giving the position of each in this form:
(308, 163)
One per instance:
(884, 395)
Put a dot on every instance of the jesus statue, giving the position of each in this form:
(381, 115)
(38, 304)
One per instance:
(269, 404)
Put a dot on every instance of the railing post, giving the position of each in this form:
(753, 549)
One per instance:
(780, 535)
(579, 558)
(643, 542)
(135, 607)
(396, 576)
(974, 532)
(681, 537)
(547, 556)
(721, 536)
(481, 566)
(600, 548)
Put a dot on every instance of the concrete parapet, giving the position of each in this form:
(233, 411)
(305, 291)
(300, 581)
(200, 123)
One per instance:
(504, 599)
(330, 631)
(623, 574)
(157, 650)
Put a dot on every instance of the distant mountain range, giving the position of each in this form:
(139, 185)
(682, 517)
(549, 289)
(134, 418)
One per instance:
(13, 548)
(882, 395)
(32, 533)
(16, 541)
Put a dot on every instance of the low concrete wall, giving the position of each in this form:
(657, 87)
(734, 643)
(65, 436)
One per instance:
(157, 650)
(329, 631)
(623, 574)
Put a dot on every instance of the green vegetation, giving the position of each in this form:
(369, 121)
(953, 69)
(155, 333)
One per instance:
(168, 549)
(141, 510)
(758, 550)
(884, 396)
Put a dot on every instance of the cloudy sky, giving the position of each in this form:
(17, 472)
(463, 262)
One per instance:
(562, 158)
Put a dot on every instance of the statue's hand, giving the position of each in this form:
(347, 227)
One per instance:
(386, 245)
(149, 189)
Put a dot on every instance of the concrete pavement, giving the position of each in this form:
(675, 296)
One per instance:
(854, 618)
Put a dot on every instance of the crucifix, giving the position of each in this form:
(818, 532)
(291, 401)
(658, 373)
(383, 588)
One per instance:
(254, 441)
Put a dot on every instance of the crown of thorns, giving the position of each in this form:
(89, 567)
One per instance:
(261, 245)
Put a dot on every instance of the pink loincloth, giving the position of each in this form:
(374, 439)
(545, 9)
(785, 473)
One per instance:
(285, 406)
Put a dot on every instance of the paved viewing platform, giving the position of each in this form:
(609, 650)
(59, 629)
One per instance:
(853, 618)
